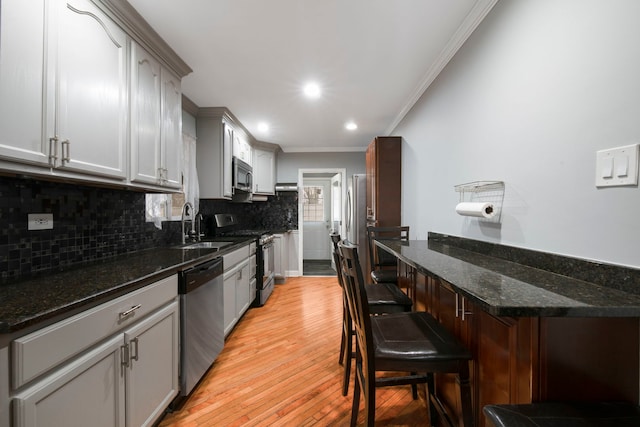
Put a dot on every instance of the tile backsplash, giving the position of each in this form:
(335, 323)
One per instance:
(91, 223)
(279, 213)
(88, 224)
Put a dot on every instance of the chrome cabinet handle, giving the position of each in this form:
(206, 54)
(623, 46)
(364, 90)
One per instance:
(457, 307)
(53, 151)
(135, 343)
(464, 310)
(124, 355)
(126, 313)
(66, 157)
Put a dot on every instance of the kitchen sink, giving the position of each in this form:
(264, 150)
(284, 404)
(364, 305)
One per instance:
(206, 245)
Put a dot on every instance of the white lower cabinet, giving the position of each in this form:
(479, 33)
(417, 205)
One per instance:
(243, 294)
(279, 249)
(151, 378)
(89, 390)
(229, 297)
(238, 293)
(127, 378)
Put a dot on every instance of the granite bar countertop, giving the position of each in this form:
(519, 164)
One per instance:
(507, 288)
(30, 301)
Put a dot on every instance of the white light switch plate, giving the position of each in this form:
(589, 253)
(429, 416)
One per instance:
(617, 166)
(40, 221)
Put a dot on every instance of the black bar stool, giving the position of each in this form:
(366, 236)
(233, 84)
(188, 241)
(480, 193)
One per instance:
(412, 342)
(381, 297)
(564, 414)
(383, 264)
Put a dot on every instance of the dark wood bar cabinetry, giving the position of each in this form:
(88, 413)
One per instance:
(384, 175)
(532, 357)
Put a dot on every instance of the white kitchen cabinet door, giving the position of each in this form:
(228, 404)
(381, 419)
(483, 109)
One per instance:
(171, 130)
(227, 165)
(229, 297)
(23, 86)
(243, 291)
(87, 391)
(156, 122)
(264, 171)
(215, 153)
(278, 258)
(292, 254)
(242, 149)
(145, 116)
(91, 99)
(151, 379)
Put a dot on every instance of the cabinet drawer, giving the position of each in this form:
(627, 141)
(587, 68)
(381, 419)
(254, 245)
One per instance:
(235, 257)
(46, 348)
(252, 248)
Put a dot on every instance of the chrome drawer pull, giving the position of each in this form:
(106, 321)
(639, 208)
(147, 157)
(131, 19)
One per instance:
(124, 314)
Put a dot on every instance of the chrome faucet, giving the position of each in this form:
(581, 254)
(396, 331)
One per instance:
(199, 233)
(187, 215)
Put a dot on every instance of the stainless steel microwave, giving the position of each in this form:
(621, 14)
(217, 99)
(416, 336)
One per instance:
(242, 176)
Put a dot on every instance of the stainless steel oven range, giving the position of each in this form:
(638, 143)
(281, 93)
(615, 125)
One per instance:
(227, 225)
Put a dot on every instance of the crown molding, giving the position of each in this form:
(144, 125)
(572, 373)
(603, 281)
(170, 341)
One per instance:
(477, 14)
(142, 33)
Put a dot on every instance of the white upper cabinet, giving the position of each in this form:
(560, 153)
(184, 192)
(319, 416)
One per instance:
(215, 152)
(156, 122)
(145, 116)
(264, 171)
(63, 92)
(242, 149)
(171, 136)
(91, 99)
(79, 98)
(22, 81)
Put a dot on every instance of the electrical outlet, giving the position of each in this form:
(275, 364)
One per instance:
(42, 221)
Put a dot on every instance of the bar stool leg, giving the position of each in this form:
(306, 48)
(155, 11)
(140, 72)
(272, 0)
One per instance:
(348, 353)
(464, 385)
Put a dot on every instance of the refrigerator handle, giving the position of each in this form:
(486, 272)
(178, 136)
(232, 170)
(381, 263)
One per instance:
(348, 211)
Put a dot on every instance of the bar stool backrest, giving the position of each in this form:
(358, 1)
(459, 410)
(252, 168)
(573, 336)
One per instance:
(358, 305)
(380, 258)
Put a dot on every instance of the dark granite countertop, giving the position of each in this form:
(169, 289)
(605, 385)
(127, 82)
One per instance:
(506, 288)
(30, 301)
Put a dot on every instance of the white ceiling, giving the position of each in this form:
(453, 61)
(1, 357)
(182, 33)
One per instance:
(372, 59)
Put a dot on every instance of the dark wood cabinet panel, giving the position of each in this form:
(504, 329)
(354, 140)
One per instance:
(503, 352)
(384, 175)
(589, 358)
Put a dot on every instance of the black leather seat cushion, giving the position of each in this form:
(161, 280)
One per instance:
(380, 276)
(386, 298)
(561, 414)
(413, 341)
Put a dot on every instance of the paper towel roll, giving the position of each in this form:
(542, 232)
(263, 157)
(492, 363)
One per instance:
(477, 209)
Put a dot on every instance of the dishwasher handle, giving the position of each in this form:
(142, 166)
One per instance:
(199, 275)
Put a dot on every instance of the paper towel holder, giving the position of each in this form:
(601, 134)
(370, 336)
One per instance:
(486, 192)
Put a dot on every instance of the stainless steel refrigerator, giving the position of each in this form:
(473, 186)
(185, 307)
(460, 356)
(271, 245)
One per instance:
(356, 207)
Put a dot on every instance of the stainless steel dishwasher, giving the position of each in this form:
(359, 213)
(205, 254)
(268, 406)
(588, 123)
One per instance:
(201, 321)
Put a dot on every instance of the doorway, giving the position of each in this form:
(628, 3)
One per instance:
(321, 192)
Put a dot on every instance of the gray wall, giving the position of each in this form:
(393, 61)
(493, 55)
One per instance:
(289, 163)
(534, 93)
(188, 123)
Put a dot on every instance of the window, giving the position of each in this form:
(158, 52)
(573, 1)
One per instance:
(313, 203)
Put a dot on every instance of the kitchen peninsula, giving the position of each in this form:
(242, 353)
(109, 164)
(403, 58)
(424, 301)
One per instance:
(540, 326)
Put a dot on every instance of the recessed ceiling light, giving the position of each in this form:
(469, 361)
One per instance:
(312, 90)
(263, 127)
(351, 126)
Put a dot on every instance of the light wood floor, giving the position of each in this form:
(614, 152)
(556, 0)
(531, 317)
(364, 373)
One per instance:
(279, 367)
